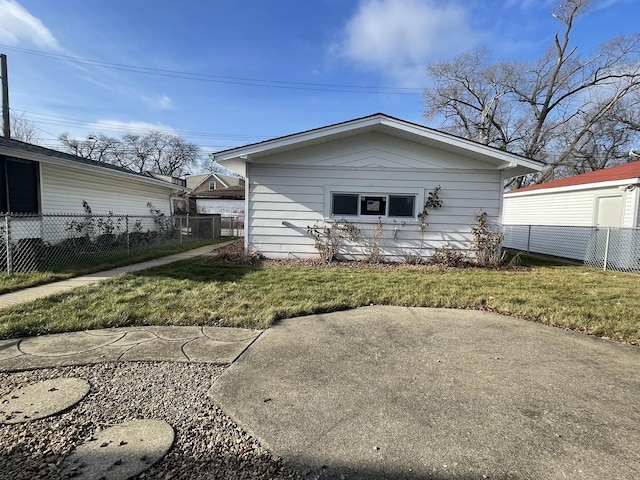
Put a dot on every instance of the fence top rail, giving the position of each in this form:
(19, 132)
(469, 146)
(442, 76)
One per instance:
(586, 227)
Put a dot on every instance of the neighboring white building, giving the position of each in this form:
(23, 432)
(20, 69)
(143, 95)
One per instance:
(39, 180)
(215, 193)
(590, 217)
(369, 170)
(606, 198)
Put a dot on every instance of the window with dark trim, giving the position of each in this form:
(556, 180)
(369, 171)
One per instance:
(212, 185)
(18, 186)
(356, 204)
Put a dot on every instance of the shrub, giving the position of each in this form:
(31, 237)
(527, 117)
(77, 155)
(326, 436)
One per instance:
(486, 243)
(448, 257)
(328, 239)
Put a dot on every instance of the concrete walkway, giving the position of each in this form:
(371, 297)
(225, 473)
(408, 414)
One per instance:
(395, 392)
(30, 294)
(218, 345)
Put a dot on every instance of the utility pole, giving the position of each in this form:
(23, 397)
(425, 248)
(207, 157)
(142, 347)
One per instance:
(6, 128)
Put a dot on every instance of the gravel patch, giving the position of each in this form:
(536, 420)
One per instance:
(208, 444)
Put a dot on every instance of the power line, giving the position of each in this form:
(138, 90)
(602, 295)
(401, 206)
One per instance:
(60, 121)
(253, 82)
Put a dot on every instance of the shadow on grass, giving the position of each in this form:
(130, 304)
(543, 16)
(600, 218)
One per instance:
(200, 270)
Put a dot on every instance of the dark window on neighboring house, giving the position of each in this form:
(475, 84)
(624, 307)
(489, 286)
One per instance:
(212, 185)
(18, 185)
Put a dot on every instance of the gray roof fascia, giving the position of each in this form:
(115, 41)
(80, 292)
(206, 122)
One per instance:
(25, 151)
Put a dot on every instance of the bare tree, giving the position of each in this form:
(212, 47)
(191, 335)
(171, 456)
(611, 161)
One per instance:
(569, 112)
(161, 153)
(22, 129)
(156, 152)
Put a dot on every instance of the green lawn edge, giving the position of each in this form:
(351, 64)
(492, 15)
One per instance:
(205, 292)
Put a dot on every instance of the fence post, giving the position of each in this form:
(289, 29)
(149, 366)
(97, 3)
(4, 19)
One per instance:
(529, 240)
(180, 236)
(606, 249)
(7, 227)
(126, 226)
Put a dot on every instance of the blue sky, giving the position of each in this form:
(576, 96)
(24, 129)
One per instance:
(226, 73)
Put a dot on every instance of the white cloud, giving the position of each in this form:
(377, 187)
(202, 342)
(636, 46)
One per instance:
(19, 26)
(160, 102)
(165, 102)
(399, 37)
(118, 128)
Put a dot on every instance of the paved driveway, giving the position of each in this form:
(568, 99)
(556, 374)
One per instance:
(392, 392)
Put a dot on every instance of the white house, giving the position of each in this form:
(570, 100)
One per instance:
(375, 173)
(38, 181)
(606, 198)
(216, 193)
(588, 217)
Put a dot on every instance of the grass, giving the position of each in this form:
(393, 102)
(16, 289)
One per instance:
(19, 281)
(203, 292)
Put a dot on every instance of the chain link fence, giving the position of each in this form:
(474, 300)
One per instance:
(51, 242)
(232, 225)
(608, 248)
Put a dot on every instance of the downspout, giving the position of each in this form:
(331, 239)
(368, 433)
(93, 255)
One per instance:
(247, 182)
(501, 201)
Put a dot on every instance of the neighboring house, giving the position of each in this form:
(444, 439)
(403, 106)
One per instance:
(215, 193)
(376, 173)
(588, 217)
(227, 201)
(38, 180)
(211, 181)
(607, 198)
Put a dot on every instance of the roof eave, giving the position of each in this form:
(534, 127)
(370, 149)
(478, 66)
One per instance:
(577, 187)
(25, 155)
(513, 165)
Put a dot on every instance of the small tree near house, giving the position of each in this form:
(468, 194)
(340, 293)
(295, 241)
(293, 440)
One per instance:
(486, 243)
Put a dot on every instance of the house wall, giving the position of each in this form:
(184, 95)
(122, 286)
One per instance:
(569, 208)
(226, 182)
(206, 206)
(63, 190)
(291, 191)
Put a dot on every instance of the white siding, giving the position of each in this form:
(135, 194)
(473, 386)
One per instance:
(568, 208)
(289, 192)
(64, 189)
(222, 206)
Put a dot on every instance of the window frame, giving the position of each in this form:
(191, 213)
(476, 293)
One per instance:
(212, 182)
(373, 193)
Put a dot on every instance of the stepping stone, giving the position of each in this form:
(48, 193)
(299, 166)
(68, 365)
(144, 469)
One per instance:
(42, 399)
(120, 452)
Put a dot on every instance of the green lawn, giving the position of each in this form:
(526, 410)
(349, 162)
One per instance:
(205, 292)
(19, 281)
